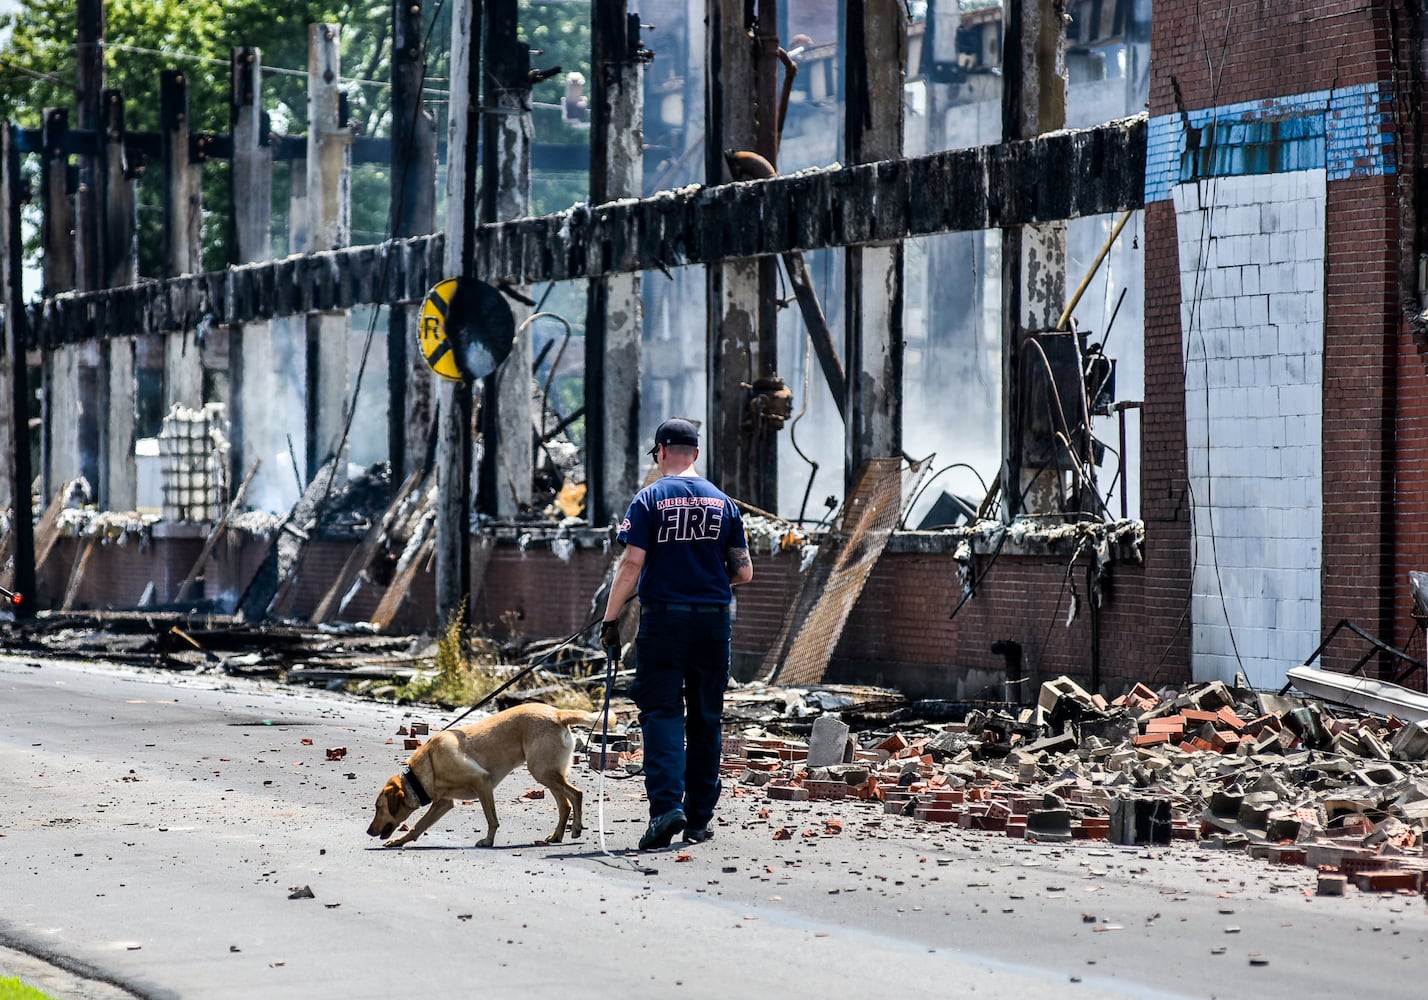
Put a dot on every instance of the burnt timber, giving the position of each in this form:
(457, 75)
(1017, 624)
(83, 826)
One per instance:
(1063, 175)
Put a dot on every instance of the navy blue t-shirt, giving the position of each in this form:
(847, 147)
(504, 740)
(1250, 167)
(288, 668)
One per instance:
(686, 525)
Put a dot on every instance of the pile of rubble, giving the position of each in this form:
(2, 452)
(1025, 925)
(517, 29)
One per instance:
(1284, 778)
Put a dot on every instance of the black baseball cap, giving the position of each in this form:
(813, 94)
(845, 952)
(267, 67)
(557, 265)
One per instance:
(676, 430)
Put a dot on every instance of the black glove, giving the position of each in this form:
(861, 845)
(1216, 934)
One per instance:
(610, 634)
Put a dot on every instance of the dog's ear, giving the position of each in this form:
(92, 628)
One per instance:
(394, 795)
(403, 795)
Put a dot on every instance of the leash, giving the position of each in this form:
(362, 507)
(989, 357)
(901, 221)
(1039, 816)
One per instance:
(612, 657)
(527, 669)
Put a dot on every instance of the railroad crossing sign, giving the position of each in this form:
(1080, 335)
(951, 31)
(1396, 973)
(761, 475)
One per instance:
(466, 329)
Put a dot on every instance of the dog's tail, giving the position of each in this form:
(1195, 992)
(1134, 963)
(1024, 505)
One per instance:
(589, 720)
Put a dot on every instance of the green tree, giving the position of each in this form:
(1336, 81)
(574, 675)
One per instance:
(143, 37)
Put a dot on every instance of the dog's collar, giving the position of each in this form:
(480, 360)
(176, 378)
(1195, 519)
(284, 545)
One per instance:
(410, 778)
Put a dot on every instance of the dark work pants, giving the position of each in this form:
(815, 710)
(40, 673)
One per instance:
(680, 676)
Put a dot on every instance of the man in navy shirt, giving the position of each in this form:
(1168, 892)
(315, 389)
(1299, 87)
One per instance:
(685, 550)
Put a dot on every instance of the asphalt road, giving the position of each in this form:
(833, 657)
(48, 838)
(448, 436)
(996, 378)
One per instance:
(155, 828)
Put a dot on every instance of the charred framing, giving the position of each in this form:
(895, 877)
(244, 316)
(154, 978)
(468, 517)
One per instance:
(737, 229)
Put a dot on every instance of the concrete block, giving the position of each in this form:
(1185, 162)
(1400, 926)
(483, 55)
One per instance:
(1410, 742)
(849, 774)
(1139, 821)
(1122, 830)
(1331, 884)
(828, 743)
(1382, 774)
(1049, 825)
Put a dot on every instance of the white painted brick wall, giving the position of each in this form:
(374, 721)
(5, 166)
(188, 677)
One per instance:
(1253, 342)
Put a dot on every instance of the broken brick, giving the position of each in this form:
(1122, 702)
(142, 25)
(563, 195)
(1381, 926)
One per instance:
(937, 814)
(1388, 881)
(826, 789)
(1166, 724)
(893, 744)
(787, 793)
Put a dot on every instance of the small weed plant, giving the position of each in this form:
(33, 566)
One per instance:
(466, 667)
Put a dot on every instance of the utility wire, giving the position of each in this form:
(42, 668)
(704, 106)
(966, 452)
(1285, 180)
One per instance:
(36, 74)
(211, 60)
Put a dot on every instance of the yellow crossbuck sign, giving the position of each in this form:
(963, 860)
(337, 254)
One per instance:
(438, 350)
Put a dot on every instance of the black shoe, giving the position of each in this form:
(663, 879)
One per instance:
(699, 834)
(662, 830)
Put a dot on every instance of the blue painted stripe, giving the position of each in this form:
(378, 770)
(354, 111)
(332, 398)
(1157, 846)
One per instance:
(1348, 133)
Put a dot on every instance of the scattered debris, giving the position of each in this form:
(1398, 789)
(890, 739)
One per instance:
(1288, 780)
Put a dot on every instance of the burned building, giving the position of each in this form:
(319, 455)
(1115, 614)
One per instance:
(1092, 335)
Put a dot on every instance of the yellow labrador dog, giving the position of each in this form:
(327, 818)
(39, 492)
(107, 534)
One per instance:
(470, 761)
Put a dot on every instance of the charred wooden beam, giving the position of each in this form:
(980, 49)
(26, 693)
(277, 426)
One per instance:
(183, 356)
(57, 255)
(119, 256)
(253, 383)
(613, 316)
(329, 204)
(413, 164)
(1064, 175)
(1033, 104)
(506, 468)
(731, 288)
(16, 476)
(876, 46)
(454, 255)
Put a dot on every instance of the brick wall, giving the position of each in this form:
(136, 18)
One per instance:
(1281, 89)
(1359, 358)
(1165, 496)
(899, 634)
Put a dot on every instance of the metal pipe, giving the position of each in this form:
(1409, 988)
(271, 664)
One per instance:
(1095, 266)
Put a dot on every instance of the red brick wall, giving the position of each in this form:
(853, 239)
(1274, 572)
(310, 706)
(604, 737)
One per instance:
(1221, 54)
(118, 572)
(899, 634)
(1410, 499)
(1164, 490)
(903, 620)
(1360, 354)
